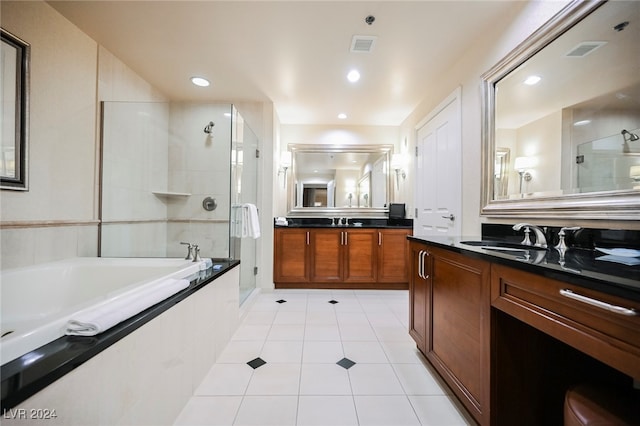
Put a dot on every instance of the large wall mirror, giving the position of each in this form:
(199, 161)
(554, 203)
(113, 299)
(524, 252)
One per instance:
(330, 180)
(561, 118)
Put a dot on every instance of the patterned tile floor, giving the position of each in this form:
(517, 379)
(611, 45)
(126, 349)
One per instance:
(322, 357)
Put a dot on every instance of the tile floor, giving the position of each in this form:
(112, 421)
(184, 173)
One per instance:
(322, 357)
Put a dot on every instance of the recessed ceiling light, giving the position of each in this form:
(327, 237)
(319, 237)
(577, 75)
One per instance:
(342, 116)
(531, 80)
(199, 81)
(353, 76)
(581, 122)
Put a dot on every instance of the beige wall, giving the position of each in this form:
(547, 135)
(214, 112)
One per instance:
(57, 217)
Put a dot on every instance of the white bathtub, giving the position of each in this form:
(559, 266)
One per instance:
(37, 301)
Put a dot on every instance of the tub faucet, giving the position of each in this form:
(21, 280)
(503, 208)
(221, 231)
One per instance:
(189, 247)
(541, 240)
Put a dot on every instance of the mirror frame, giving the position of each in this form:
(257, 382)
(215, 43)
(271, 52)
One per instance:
(293, 211)
(615, 205)
(21, 114)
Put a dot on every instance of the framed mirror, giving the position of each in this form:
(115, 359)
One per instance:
(330, 180)
(565, 104)
(15, 112)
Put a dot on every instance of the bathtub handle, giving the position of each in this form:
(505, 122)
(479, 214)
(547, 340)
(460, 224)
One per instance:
(189, 247)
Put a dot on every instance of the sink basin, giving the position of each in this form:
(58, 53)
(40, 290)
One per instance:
(500, 245)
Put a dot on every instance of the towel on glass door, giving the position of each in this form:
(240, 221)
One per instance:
(250, 221)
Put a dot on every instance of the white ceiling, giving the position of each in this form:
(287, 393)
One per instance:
(292, 53)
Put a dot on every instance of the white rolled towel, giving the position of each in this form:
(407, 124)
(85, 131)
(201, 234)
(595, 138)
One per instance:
(90, 322)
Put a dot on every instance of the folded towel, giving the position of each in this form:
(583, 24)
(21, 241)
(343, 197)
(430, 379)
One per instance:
(252, 222)
(94, 321)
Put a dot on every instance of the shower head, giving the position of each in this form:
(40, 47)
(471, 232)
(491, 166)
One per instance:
(632, 136)
(208, 129)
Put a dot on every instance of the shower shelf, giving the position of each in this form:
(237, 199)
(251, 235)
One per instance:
(170, 194)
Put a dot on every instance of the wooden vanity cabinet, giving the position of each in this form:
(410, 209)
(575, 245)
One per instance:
(600, 325)
(341, 258)
(291, 248)
(450, 321)
(419, 295)
(393, 255)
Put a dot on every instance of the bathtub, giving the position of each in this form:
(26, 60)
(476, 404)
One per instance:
(37, 301)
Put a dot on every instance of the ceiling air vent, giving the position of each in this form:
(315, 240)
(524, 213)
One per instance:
(584, 48)
(362, 44)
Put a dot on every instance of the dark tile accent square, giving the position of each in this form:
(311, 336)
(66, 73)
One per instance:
(333, 302)
(346, 363)
(255, 363)
(281, 301)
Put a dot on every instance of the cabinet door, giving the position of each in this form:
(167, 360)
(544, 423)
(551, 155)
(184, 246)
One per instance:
(360, 249)
(459, 332)
(393, 256)
(419, 297)
(291, 249)
(326, 255)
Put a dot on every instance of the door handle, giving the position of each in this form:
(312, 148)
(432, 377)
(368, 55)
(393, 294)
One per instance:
(451, 217)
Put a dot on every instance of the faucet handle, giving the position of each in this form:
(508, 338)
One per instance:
(526, 241)
(562, 246)
(196, 254)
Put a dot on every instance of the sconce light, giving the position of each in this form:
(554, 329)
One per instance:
(397, 162)
(285, 163)
(521, 165)
(634, 174)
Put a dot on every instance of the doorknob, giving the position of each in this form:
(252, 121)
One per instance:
(451, 217)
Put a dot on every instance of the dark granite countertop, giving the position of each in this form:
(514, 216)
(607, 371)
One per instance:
(363, 223)
(24, 376)
(580, 266)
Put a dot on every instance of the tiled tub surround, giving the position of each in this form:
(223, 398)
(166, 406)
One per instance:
(142, 371)
(37, 301)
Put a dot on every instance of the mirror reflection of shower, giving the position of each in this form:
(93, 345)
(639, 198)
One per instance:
(627, 136)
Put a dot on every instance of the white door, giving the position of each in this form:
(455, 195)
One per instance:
(439, 170)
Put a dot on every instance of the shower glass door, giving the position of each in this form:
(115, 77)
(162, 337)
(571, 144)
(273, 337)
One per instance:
(244, 180)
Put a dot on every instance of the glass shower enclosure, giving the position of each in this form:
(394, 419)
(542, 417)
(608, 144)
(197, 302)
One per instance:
(172, 173)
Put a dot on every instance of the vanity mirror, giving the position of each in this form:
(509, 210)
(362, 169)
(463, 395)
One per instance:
(336, 180)
(565, 108)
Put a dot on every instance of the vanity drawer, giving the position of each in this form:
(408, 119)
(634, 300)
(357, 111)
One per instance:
(603, 326)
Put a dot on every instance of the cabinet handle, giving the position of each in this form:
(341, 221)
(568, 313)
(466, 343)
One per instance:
(598, 303)
(307, 237)
(346, 238)
(426, 254)
(379, 238)
(421, 264)
(341, 238)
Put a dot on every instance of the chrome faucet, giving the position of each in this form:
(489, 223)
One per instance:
(189, 247)
(541, 240)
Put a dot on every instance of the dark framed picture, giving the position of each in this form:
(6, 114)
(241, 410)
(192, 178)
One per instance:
(15, 112)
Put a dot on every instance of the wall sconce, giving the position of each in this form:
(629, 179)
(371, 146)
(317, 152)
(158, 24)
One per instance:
(285, 163)
(397, 161)
(521, 164)
(634, 174)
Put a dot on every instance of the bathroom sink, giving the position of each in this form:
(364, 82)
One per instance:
(500, 245)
